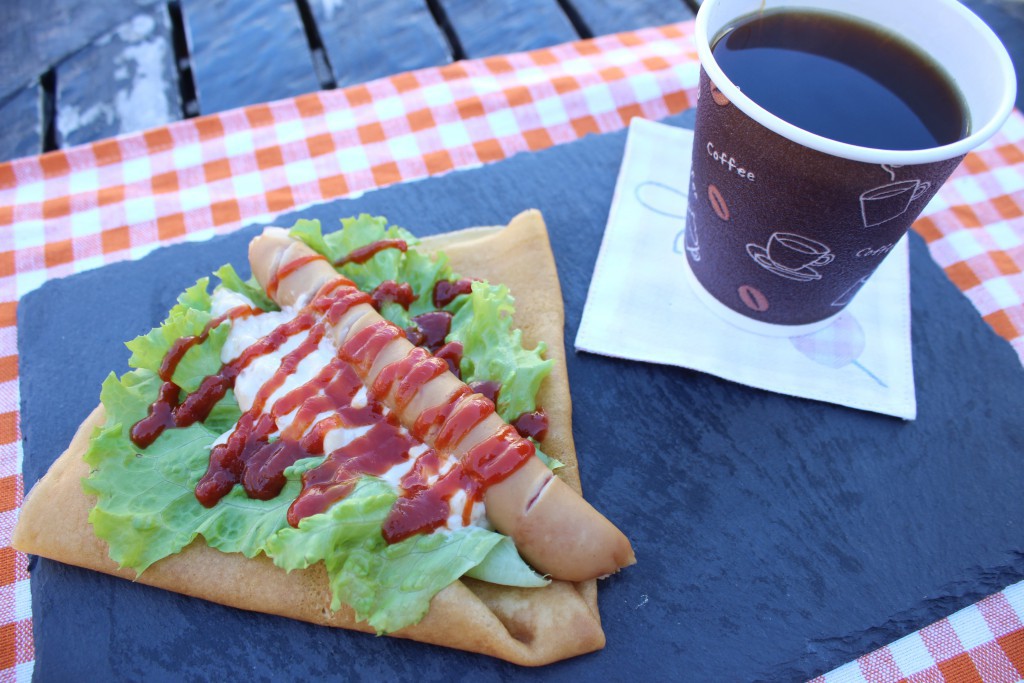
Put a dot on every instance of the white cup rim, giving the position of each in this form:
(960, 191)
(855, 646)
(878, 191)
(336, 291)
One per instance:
(857, 152)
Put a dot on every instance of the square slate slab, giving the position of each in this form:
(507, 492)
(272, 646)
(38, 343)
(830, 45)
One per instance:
(776, 537)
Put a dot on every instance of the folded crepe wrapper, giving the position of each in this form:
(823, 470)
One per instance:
(528, 626)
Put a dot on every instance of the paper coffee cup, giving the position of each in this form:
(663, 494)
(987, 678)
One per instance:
(784, 226)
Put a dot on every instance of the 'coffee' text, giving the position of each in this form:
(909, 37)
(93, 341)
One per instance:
(730, 163)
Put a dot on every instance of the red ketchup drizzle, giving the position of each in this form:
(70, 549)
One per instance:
(327, 294)
(425, 467)
(165, 411)
(335, 304)
(486, 464)
(367, 252)
(248, 457)
(373, 453)
(451, 353)
(470, 411)
(363, 347)
(381, 448)
(430, 329)
(415, 370)
(431, 419)
(389, 290)
(445, 291)
(488, 388)
(287, 269)
(533, 424)
(498, 456)
(422, 507)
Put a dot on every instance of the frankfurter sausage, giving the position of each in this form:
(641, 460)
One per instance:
(554, 528)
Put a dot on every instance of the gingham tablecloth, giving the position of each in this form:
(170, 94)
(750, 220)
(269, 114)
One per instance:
(77, 209)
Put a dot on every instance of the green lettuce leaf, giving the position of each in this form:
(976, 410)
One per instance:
(187, 318)
(492, 350)
(146, 506)
(390, 586)
(504, 566)
(224, 415)
(354, 519)
(195, 297)
(250, 289)
(309, 232)
(420, 271)
(145, 509)
(126, 400)
(552, 463)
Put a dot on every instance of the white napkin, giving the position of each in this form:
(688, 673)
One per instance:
(641, 307)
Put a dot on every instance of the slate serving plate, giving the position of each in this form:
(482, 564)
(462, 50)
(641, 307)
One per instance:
(776, 537)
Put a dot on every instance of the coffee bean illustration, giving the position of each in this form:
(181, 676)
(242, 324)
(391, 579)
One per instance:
(719, 98)
(753, 299)
(718, 203)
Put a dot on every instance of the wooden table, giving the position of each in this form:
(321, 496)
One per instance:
(76, 71)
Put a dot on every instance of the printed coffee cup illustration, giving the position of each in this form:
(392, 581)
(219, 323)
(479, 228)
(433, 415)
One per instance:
(792, 256)
(884, 203)
(793, 205)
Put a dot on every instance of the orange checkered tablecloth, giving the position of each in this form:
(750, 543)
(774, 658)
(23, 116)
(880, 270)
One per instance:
(69, 211)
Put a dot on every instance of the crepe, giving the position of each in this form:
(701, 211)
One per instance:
(527, 626)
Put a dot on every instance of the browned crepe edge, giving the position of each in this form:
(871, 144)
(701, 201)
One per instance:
(524, 626)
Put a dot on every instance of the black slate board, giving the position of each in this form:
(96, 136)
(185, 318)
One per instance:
(776, 537)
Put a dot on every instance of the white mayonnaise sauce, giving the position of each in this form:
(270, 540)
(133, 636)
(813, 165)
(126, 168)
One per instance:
(248, 330)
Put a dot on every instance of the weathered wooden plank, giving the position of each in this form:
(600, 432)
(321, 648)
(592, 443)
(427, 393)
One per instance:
(37, 34)
(125, 81)
(367, 39)
(494, 27)
(247, 52)
(21, 123)
(612, 16)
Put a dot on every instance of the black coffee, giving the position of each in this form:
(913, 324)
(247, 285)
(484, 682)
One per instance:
(842, 79)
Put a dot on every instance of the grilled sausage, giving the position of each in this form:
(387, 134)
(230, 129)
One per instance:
(554, 528)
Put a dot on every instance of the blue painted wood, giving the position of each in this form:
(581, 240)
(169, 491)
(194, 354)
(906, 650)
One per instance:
(21, 123)
(368, 39)
(247, 52)
(37, 34)
(614, 16)
(776, 537)
(125, 81)
(494, 27)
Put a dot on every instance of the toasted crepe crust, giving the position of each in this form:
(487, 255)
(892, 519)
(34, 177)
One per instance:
(524, 626)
